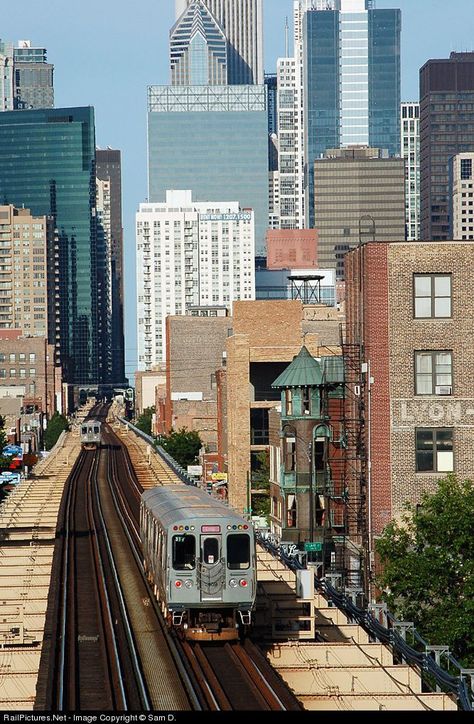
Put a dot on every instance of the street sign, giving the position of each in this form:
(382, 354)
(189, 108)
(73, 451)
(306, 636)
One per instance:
(310, 547)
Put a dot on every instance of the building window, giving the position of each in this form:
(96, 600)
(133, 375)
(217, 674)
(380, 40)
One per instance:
(433, 373)
(305, 401)
(434, 450)
(432, 296)
(466, 169)
(290, 454)
(291, 513)
(289, 402)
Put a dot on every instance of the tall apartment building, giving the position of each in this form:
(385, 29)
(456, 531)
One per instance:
(290, 144)
(242, 22)
(33, 77)
(410, 151)
(461, 197)
(210, 139)
(109, 170)
(408, 309)
(25, 241)
(446, 122)
(198, 48)
(351, 80)
(357, 191)
(47, 162)
(26, 80)
(189, 254)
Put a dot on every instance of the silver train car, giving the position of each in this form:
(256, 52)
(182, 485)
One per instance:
(199, 555)
(91, 434)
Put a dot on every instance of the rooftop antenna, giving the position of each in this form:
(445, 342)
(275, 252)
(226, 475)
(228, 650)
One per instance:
(287, 42)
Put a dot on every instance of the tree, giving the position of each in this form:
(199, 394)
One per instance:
(183, 445)
(145, 419)
(428, 567)
(261, 485)
(56, 425)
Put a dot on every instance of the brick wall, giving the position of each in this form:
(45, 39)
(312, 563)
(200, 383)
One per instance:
(407, 335)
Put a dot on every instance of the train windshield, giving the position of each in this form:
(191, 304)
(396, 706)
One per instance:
(96, 430)
(238, 552)
(84, 431)
(184, 552)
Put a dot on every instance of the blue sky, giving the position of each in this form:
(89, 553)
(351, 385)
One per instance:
(107, 52)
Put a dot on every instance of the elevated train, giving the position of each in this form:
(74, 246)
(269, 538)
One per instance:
(200, 557)
(91, 434)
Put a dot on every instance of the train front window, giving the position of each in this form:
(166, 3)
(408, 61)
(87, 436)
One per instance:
(96, 430)
(184, 552)
(238, 552)
(210, 551)
(84, 431)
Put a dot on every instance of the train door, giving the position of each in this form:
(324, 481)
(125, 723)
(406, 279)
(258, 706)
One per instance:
(211, 568)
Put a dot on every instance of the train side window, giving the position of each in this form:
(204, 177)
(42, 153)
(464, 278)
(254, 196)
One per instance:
(238, 552)
(164, 553)
(184, 552)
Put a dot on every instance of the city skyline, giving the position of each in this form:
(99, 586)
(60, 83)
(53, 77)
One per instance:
(88, 76)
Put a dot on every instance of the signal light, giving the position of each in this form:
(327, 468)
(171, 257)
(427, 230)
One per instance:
(233, 583)
(243, 583)
(178, 584)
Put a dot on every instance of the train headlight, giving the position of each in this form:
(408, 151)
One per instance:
(178, 584)
(188, 584)
(243, 582)
(233, 583)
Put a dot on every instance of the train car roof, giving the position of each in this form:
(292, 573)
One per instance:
(173, 503)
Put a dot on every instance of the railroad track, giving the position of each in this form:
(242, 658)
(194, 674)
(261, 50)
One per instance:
(94, 665)
(113, 642)
(236, 677)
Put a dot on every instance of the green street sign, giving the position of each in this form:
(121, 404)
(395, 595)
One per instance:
(310, 547)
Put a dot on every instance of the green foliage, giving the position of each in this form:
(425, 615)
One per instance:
(428, 561)
(261, 483)
(144, 421)
(56, 425)
(183, 445)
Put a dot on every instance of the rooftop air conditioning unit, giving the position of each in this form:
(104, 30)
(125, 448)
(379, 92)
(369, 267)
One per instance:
(443, 390)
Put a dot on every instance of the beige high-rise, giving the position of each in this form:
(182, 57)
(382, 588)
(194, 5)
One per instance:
(242, 21)
(24, 271)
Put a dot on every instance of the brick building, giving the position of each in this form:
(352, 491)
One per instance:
(195, 349)
(408, 310)
(292, 249)
(30, 384)
(266, 336)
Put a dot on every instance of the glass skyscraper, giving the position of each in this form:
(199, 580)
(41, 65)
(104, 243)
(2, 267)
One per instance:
(351, 65)
(212, 140)
(47, 164)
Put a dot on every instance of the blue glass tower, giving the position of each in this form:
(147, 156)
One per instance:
(212, 140)
(351, 82)
(47, 164)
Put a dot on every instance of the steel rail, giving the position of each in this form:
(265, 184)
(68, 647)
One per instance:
(143, 692)
(76, 473)
(134, 543)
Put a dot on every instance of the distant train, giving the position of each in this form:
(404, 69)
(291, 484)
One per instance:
(200, 557)
(90, 434)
